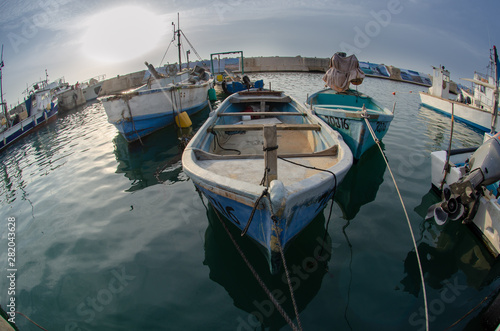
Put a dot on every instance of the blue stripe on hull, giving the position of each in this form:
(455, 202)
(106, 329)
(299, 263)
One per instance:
(461, 119)
(27, 128)
(145, 125)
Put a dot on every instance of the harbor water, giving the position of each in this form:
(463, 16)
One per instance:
(114, 236)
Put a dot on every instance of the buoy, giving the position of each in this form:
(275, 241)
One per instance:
(212, 96)
(182, 120)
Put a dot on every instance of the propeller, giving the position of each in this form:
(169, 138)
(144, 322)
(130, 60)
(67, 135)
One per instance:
(449, 208)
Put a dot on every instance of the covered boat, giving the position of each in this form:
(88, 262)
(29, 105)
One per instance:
(345, 109)
(268, 165)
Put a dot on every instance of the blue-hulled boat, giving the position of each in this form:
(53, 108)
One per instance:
(235, 86)
(346, 113)
(345, 110)
(39, 107)
(256, 188)
(155, 105)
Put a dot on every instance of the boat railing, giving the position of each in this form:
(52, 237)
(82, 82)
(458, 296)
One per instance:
(339, 107)
(266, 114)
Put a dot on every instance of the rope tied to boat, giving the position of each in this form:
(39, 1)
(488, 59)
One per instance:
(407, 220)
(268, 149)
(256, 204)
(126, 99)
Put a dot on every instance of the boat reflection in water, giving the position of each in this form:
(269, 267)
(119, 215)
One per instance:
(157, 160)
(228, 269)
(361, 184)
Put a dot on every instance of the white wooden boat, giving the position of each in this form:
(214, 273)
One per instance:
(155, 105)
(238, 160)
(470, 189)
(478, 110)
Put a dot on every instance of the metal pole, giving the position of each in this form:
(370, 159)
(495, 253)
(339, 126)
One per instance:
(4, 106)
(495, 93)
(179, 42)
(242, 65)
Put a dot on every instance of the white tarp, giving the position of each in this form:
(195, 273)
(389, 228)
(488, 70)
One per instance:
(342, 72)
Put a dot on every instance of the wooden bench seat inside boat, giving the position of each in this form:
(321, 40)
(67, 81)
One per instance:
(259, 127)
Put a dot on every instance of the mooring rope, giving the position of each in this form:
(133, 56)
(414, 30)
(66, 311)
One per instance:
(407, 218)
(256, 275)
(473, 309)
(292, 295)
(30, 320)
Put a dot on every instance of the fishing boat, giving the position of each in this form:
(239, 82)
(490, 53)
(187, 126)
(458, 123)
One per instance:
(347, 110)
(39, 107)
(477, 109)
(160, 101)
(468, 180)
(268, 165)
(224, 76)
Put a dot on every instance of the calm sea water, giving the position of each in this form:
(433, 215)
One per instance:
(111, 236)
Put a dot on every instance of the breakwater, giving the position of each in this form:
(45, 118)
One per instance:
(278, 64)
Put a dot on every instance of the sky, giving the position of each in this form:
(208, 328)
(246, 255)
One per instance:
(78, 39)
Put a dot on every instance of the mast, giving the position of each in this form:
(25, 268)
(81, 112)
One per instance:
(495, 93)
(179, 42)
(4, 106)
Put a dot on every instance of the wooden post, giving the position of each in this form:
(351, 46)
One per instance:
(270, 153)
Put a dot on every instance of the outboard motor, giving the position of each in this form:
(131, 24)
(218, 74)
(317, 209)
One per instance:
(462, 198)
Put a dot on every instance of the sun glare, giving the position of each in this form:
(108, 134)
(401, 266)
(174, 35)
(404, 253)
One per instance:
(122, 34)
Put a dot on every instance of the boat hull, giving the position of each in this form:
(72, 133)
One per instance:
(472, 116)
(300, 209)
(26, 126)
(142, 112)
